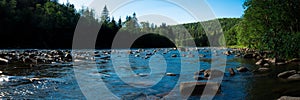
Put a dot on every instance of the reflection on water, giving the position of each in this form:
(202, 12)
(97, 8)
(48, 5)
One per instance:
(57, 81)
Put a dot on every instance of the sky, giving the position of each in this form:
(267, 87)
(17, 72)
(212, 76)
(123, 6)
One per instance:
(166, 11)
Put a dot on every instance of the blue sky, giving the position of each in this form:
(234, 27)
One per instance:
(159, 11)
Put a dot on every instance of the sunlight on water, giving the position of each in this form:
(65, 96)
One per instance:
(133, 74)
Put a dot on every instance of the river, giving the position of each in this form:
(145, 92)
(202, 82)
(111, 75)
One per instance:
(138, 74)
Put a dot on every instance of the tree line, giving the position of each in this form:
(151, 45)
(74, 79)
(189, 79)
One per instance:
(36, 24)
(269, 25)
(48, 24)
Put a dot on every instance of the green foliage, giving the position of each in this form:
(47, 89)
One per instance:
(271, 25)
(152, 40)
(201, 36)
(36, 23)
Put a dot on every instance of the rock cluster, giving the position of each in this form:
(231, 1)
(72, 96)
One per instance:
(35, 56)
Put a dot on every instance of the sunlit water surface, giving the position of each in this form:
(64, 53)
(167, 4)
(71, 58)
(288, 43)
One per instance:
(57, 81)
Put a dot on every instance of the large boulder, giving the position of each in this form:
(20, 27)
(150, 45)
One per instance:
(3, 61)
(197, 88)
(286, 74)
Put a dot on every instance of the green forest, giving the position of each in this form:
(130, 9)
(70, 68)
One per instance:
(267, 25)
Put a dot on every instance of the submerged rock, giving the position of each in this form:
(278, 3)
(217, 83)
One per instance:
(231, 71)
(134, 96)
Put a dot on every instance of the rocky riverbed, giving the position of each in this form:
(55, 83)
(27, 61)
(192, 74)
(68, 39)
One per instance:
(36, 74)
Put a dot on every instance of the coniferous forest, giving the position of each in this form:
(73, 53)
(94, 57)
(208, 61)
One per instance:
(271, 25)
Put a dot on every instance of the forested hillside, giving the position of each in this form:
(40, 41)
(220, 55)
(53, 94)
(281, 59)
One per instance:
(266, 25)
(48, 24)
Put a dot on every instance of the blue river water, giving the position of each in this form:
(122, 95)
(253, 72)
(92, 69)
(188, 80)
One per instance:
(139, 74)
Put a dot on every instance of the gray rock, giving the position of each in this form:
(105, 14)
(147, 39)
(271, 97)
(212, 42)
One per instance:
(261, 62)
(237, 55)
(68, 57)
(143, 74)
(294, 60)
(174, 55)
(137, 55)
(242, 69)
(227, 53)
(263, 69)
(294, 77)
(275, 61)
(197, 88)
(288, 98)
(3, 61)
(201, 55)
(281, 63)
(213, 73)
(286, 74)
(171, 74)
(266, 64)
